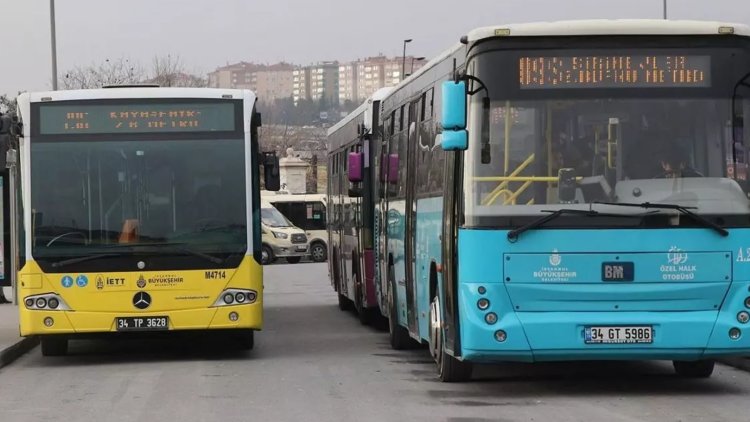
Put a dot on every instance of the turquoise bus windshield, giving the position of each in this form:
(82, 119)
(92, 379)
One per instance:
(571, 140)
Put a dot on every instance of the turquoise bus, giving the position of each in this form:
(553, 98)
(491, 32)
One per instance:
(569, 191)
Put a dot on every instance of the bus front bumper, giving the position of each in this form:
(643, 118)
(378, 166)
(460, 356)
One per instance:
(77, 322)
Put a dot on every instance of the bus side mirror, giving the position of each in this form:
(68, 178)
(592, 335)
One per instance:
(454, 137)
(271, 171)
(355, 167)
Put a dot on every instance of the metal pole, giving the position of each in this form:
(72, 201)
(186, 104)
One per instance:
(403, 60)
(53, 42)
(665, 9)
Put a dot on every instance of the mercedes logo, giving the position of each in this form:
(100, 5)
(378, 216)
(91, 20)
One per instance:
(142, 300)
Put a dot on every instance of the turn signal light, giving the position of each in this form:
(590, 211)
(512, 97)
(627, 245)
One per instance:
(501, 336)
(743, 317)
(747, 302)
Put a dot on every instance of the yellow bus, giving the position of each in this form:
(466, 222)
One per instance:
(139, 211)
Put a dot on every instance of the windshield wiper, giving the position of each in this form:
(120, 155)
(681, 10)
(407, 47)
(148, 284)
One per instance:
(680, 208)
(513, 234)
(66, 262)
(175, 246)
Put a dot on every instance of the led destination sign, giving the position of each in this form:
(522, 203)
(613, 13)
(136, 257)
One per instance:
(617, 71)
(61, 119)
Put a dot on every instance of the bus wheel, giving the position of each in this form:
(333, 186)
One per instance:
(318, 252)
(246, 339)
(449, 368)
(54, 346)
(266, 255)
(344, 302)
(694, 369)
(399, 336)
(293, 259)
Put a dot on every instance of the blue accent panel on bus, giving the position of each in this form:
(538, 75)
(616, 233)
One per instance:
(689, 285)
(396, 233)
(428, 250)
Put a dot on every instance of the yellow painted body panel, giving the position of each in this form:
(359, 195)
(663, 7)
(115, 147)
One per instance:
(186, 297)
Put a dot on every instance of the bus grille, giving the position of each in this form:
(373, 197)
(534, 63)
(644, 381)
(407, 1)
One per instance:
(299, 238)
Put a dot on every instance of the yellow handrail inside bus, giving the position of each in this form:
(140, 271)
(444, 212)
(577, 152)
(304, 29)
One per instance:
(516, 194)
(504, 184)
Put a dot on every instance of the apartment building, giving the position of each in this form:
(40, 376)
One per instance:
(316, 81)
(269, 82)
(360, 79)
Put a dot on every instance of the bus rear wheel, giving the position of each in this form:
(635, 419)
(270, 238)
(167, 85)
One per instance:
(449, 368)
(54, 346)
(694, 369)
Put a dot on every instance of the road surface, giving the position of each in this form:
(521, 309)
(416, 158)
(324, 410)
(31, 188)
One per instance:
(316, 363)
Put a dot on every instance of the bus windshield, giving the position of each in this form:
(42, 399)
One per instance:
(562, 137)
(109, 196)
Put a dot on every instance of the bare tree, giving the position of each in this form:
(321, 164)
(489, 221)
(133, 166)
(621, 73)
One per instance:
(170, 70)
(110, 72)
(7, 104)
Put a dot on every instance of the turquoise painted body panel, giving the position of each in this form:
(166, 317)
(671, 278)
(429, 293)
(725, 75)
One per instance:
(688, 284)
(428, 250)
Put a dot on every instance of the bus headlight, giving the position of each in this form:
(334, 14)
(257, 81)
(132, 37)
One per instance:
(490, 318)
(483, 304)
(743, 317)
(279, 235)
(47, 301)
(233, 297)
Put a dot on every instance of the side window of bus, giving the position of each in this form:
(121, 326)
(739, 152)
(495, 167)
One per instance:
(403, 140)
(315, 213)
(437, 155)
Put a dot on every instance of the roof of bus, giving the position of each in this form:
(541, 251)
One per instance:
(138, 92)
(377, 96)
(610, 27)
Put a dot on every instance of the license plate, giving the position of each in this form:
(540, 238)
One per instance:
(619, 335)
(155, 323)
(618, 271)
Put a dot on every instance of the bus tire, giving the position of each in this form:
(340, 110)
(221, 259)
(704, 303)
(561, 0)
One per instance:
(449, 368)
(694, 369)
(266, 256)
(398, 335)
(54, 346)
(344, 302)
(246, 339)
(293, 259)
(318, 252)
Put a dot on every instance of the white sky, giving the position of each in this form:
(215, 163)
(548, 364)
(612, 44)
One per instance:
(207, 34)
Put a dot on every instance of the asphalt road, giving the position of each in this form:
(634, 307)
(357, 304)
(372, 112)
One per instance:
(315, 363)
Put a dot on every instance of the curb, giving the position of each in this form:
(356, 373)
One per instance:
(17, 350)
(737, 362)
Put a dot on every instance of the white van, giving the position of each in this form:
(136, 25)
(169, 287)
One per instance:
(281, 239)
(308, 212)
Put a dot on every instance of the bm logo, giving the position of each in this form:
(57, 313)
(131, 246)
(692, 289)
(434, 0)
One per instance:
(618, 271)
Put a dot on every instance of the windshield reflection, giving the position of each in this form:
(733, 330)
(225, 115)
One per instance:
(87, 197)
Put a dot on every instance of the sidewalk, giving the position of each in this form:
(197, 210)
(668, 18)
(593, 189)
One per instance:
(12, 346)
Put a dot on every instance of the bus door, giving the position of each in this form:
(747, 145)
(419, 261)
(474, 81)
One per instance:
(410, 215)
